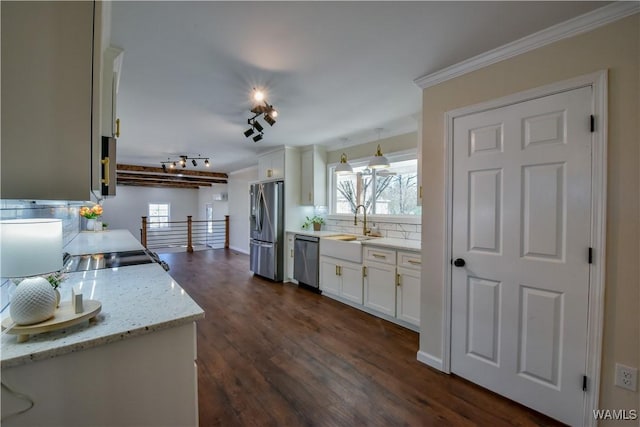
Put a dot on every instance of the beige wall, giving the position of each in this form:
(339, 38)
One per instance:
(614, 47)
(388, 145)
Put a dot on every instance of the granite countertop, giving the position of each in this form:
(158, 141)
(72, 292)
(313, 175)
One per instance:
(92, 242)
(136, 300)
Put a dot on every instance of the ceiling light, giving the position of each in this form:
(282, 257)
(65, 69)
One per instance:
(258, 95)
(379, 160)
(258, 137)
(182, 161)
(248, 132)
(269, 119)
(273, 113)
(257, 126)
(343, 167)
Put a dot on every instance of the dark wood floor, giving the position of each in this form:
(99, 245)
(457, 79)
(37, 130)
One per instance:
(274, 354)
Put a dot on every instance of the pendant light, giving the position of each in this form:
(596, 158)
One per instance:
(343, 167)
(378, 161)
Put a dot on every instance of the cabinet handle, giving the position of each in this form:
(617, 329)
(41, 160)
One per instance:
(309, 196)
(291, 253)
(117, 128)
(106, 179)
(364, 271)
(269, 173)
(421, 191)
(336, 270)
(339, 270)
(398, 279)
(414, 262)
(378, 256)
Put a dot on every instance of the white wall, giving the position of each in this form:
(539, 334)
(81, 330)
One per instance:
(238, 188)
(124, 211)
(209, 195)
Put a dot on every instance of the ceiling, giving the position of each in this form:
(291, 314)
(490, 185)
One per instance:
(333, 70)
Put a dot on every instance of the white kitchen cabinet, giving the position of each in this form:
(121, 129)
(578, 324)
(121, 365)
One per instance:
(288, 256)
(392, 283)
(341, 278)
(271, 166)
(111, 72)
(380, 287)
(314, 177)
(50, 99)
(408, 287)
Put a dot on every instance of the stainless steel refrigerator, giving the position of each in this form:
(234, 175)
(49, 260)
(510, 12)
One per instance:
(266, 247)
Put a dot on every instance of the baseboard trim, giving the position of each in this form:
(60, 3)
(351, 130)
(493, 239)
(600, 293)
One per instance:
(242, 251)
(430, 360)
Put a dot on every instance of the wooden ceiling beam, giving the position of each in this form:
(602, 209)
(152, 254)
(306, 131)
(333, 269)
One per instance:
(158, 184)
(187, 172)
(141, 176)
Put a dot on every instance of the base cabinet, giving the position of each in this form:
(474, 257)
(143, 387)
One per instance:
(147, 380)
(288, 256)
(380, 287)
(408, 295)
(341, 278)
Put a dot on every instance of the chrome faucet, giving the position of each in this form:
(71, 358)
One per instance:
(364, 221)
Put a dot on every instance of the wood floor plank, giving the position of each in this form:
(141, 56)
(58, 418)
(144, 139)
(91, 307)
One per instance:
(273, 354)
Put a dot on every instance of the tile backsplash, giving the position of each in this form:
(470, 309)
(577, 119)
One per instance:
(386, 228)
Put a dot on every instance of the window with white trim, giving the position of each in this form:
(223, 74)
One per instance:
(390, 191)
(159, 215)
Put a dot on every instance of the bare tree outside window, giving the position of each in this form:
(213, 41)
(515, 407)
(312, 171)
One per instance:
(395, 190)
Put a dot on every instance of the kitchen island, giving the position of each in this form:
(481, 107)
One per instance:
(134, 365)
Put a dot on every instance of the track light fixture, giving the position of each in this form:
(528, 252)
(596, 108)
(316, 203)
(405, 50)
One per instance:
(261, 108)
(182, 161)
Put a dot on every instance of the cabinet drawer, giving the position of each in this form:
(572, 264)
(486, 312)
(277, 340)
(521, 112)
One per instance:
(412, 260)
(384, 256)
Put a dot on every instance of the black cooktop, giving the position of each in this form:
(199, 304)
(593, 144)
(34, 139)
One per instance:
(107, 260)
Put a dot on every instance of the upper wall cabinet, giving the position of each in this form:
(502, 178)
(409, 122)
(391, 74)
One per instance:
(314, 177)
(111, 69)
(51, 62)
(271, 166)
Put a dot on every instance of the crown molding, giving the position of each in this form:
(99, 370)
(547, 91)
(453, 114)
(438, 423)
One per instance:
(580, 24)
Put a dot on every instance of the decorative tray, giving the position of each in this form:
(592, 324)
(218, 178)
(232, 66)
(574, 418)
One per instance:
(63, 317)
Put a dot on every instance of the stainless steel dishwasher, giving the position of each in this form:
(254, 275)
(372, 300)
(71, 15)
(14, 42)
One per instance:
(306, 260)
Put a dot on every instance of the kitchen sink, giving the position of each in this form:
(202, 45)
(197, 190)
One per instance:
(343, 246)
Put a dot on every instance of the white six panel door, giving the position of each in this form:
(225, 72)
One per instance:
(521, 222)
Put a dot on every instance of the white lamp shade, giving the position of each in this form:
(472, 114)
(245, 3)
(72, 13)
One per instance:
(29, 247)
(379, 160)
(343, 167)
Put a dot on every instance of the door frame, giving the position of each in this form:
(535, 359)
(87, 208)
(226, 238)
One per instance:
(595, 321)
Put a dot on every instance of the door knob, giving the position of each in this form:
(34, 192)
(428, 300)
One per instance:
(458, 262)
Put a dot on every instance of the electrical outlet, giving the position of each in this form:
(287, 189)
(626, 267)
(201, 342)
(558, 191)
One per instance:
(626, 377)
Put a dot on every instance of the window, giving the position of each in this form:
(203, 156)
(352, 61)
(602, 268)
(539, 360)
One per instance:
(391, 191)
(159, 215)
